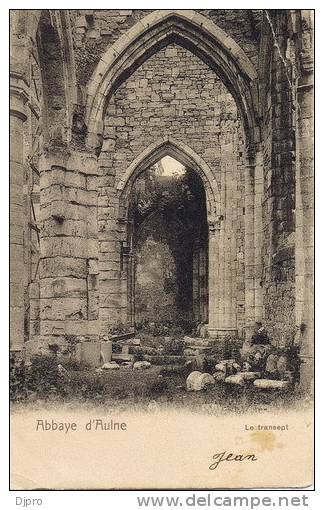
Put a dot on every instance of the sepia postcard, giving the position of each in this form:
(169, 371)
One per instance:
(161, 249)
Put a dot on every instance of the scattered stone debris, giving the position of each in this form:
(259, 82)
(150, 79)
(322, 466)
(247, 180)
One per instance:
(197, 381)
(219, 376)
(282, 365)
(272, 384)
(250, 376)
(134, 341)
(138, 365)
(126, 364)
(228, 366)
(271, 364)
(110, 366)
(235, 379)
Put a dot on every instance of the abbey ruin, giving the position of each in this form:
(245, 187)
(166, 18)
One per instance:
(99, 99)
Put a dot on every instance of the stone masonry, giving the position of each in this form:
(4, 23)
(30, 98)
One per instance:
(97, 97)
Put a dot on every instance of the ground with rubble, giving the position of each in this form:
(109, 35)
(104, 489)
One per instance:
(152, 372)
(161, 169)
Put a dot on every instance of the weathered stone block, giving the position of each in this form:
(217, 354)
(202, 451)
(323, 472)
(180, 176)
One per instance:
(62, 287)
(89, 353)
(197, 381)
(106, 351)
(63, 266)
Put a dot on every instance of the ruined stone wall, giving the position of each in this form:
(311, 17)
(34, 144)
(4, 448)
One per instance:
(173, 94)
(68, 245)
(81, 278)
(96, 29)
(279, 190)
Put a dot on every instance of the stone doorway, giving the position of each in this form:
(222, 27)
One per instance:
(168, 243)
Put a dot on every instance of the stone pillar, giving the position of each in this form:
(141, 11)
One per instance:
(229, 162)
(125, 288)
(304, 254)
(203, 283)
(18, 99)
(304, 230)
(195, 282)
(226, 316)
(258, 235)
(112, 240)
(131, 298)
(249, 250)
(213, 277)
(68, 246)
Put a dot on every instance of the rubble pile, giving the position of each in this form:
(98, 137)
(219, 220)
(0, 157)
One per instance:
(262, 366)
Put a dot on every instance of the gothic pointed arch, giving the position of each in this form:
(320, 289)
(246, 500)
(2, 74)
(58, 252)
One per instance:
(169, 146)
(158, 29)
(58, 75)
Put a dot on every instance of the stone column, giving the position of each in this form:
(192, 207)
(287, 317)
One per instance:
(304, 247)
(68, 246)
(249, 250)
(226, 320)
(229, 321)
(18, 99)
(203, 282)
(195, 282)
(233, 248)
(125, 288)
(304, 254)
(113, 239)
(132, 289)
(258, 234)
(213, 277)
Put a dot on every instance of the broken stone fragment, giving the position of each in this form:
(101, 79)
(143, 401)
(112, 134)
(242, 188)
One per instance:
(227, 365)
(133, 341)
(199, 361)
(138, 365)
(271, 365)
(219, 376)
(252, 353)
(110, 366)
(246, 367)
(126, 364)
(197, 381)
(282, 365)
(237, 379)
(221, 367)
(271, 384)
(250, 376)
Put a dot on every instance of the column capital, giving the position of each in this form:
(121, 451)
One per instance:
(19, 96)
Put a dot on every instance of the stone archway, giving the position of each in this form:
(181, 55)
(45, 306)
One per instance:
(169, 146)
(189, 28)
(188, 158)
(213, 47)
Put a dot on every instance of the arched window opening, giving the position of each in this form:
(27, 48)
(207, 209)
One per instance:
(52, 68)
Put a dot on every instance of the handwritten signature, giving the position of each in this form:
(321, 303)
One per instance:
(231, 457)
